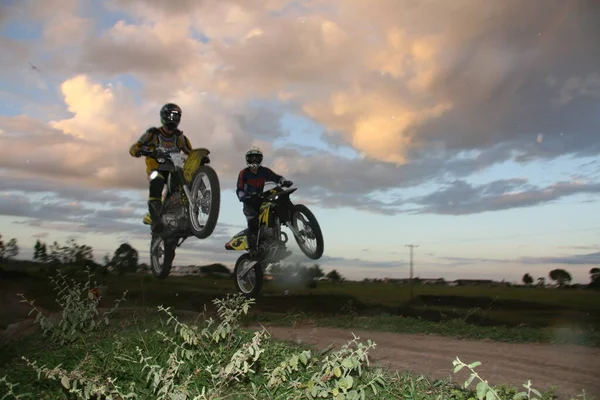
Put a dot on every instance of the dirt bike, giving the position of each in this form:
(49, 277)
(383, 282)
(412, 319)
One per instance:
(185, 194)
(276, 210)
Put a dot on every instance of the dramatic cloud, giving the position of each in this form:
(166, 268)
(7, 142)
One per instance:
(461, 197)
(425, 93)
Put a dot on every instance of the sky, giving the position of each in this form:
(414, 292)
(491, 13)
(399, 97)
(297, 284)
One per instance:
(467, 128)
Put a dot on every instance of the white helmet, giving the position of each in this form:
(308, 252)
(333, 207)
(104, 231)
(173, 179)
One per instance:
(254, 157)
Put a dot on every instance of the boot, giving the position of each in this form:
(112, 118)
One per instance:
(154, 208)
(251, 240)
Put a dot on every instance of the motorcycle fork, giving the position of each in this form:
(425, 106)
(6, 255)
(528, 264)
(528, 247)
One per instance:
(186, 189)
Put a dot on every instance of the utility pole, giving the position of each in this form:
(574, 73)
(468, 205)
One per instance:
(412, 246)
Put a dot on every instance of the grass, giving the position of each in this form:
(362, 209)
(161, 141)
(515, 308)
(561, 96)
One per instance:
(510, 314)
(456, 328)
(160, 356)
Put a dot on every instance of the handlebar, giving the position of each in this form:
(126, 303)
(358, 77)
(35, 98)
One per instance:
(154, 153)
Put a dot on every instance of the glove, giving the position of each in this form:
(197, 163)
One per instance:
(286, 183)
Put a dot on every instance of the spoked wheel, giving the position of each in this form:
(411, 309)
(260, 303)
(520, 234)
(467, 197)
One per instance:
(162, 255)
(248, 278)
(206, 201)
(311, 237)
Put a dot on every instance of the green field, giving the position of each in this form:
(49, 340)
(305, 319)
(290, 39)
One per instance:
(187, 362)
(495, 312)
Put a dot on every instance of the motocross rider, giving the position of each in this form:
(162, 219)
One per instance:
(167, 137)
(250, 183)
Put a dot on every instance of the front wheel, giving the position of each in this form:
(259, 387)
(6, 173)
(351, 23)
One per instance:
(206, 198)
(248, 278)
(310, 231)
(158, 249)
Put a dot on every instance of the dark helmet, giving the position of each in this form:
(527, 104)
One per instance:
(170, 115)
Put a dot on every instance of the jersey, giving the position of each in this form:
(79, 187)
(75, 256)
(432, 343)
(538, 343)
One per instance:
(249, 182)
(156, 137)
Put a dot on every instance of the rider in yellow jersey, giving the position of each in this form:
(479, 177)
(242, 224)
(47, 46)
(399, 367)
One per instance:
(167, 136)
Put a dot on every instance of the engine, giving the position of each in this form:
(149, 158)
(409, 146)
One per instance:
(174, 216)
(268, 241)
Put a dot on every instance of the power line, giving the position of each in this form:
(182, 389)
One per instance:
(411, 246)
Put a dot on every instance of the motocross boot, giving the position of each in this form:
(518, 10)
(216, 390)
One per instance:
(251, 241)
(154, 208)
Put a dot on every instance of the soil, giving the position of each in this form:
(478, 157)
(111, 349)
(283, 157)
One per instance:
(570, 367)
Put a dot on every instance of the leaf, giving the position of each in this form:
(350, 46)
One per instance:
(65, 382)
(474, 364)
(481, 389)
(458, 368)
(229, 368)
(337, 372)
(349, 381)
(468, 381)
(490, 395)
(347, 363)
(303, 358)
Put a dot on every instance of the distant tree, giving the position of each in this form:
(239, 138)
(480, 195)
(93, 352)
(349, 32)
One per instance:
(56, 253)
(595, 278)
(40, 252)
(11, 249)
(315, 272)
(8, 250)
(527, 279)
(84, 254)
(334, 276)
(541, 281)
(36, 250)
(125, 259)
(560, 276)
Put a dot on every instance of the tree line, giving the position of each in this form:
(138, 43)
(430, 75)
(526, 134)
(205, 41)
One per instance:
(125, 259)
(563, 278)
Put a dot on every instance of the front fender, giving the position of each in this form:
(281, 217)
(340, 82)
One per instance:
(195, 159)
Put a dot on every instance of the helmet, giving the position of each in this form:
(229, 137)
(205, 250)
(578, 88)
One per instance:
(254, 157)
(170, 115)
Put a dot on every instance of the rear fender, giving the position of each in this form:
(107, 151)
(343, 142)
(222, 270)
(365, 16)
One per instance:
(238, 242)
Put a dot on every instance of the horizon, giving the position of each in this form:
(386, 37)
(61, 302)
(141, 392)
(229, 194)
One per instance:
(465, 128)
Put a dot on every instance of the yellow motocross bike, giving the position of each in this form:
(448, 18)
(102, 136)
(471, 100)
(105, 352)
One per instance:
(195, 188)
(276, 210)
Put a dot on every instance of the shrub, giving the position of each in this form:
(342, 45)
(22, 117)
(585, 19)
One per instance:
(79, 310)
(216, 359)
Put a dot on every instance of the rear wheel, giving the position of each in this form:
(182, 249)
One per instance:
(206, 199)
(162, 255)
(311, 237)
(248, 279)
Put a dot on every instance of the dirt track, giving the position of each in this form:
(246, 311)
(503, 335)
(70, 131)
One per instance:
(571, 367)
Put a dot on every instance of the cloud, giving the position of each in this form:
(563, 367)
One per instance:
(40, 235)
(575, 259)
(424, 92)
(578, 259)
(460, 197)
